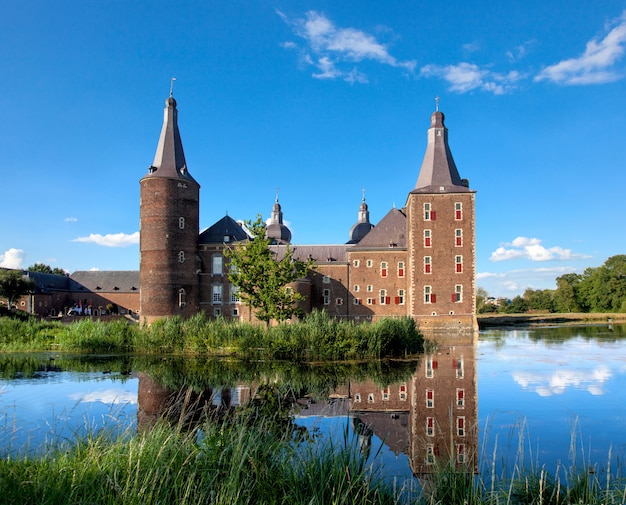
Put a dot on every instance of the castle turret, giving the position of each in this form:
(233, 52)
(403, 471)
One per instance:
(276, 230)
(169, 226)
(441, 239)
(363, 226)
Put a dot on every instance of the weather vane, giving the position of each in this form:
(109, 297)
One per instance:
(363, 194)
(172, 86)
(277, 188)
(437, 103)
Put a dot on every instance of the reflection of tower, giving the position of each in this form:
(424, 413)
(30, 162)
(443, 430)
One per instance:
(169, 224)
(444, 411)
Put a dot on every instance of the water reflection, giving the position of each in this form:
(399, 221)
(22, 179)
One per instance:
(535, 384)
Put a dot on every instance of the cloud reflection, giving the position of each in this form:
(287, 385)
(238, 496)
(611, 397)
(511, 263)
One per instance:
(108, 396)
(557, 382)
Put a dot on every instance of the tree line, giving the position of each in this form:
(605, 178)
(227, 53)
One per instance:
(597, 289)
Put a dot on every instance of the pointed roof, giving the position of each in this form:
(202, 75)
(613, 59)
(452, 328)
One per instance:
(169, 160)
(389, 232)
(362, 226)
(439, 173)
(225, 230)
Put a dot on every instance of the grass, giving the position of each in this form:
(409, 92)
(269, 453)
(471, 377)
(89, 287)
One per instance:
(317, 337)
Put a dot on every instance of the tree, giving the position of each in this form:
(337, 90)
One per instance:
(46, 269)
(540, 299)
(262, 278)
(14, 284)
(566, 296)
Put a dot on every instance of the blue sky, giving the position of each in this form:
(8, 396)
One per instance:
(320, 99)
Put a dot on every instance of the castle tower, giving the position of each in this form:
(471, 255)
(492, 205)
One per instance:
(169, 225)
(276, 230)
(363, 226)
(441, 240)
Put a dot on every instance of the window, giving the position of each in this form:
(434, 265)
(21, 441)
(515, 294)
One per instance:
(339, 301)
(181, 223)
(430, 426)
(458, 365)
(460, 426)
(400, 297)
(383, 269)
(326, 279)
(457, 296)
(181, 256)
(371, 301)
(385, 394)
(384, 299)
(355, 263)
(458, 211)
(217, 293)
(326, 296)
(218, 265)
(402, 391)
(369, 263)
(370, 288)
(355, 288)
(234, 296)
(458, 264)
(400, 268)
(460, 453)
(430, 454)
(429, 296)
(235, 312)
(430, 398)
(460, 398)
(429, 214)
(427, 265)
(370, 398)
(357, 301)
(182, 297)
(430, 367)
(427, 241)
(458, 237)
(357, 398)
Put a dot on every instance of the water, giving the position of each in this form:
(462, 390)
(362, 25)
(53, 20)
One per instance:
(519, 397)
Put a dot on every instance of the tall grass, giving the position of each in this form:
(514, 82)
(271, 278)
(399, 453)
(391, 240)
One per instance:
(317, 337)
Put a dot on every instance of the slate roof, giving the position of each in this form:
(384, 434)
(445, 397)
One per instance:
(322, 254)
(225, 227)
(105, 281)
(169, 159)
(46, 283)
(439, 173)
(389, 232)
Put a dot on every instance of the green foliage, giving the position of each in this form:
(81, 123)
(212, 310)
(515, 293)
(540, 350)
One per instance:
(87, 335)
(517, 306)
(46, 269)
(540, 300)
(262, 278)
(14, 284)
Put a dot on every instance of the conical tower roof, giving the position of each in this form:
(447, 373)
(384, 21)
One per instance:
(169, 160)
(439, 173)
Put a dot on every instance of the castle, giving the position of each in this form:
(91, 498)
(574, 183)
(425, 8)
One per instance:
(418, 261)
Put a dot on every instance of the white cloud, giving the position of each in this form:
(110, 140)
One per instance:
(71, 219)
(520, 52)
(13, 258)
(465, 77)
(596, 64)
(111, 240)
(329, 48)
(514, 282)
(109, 396)
(531, 248)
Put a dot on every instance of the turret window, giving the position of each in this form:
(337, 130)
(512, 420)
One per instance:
(427, 264)
(458, 237)
(458, 211)
(458, 262)
(427, 238)
(457, 296)
(429, 214)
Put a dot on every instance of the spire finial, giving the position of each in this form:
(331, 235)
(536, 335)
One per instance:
(437, 103)
(363, 194)
(172, 86)
(277, 188)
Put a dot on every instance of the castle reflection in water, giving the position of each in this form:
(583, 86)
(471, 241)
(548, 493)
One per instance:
(432, 417)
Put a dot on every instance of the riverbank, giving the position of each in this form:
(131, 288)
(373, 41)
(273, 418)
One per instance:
(543, 319)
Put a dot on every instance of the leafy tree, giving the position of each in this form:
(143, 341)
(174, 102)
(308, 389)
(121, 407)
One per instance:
(603, 288)
(540, 299)
(566, 296)
(482, 305)
(46, 269)
(517, 306)
(262, 278)
(14, 284)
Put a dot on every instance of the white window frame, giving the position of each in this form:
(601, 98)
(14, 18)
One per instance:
(427, 211)
(217, 264)
(326, 296)
(217, 293)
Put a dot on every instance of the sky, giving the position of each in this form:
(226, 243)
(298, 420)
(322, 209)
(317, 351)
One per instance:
(319, 102)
